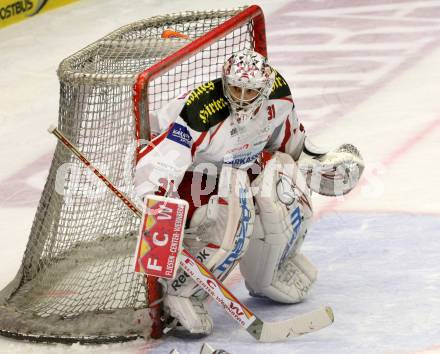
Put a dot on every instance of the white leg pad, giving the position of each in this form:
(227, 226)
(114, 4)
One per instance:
(288, 282)
(293, 280)
(220, 232)
(272, 265)
(218, 237)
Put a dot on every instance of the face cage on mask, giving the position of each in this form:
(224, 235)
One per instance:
(242, 101)
(243, 110)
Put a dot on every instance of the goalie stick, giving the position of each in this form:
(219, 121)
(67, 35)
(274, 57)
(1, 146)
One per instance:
(261, 330)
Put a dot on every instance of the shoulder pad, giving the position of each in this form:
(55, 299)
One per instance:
(280, 87)
(206, 106)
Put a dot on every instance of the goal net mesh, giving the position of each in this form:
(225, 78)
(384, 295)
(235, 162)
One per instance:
(76, 281)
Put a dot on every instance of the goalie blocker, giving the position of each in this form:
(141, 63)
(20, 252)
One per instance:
(161, 236)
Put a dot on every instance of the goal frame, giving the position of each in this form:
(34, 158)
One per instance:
(24, 324)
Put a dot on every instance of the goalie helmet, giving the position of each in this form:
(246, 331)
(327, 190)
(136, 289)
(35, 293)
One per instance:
(247, 82)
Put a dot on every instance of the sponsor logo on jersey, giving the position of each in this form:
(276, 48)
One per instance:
(280, 88)
(242, 160)
(238, 148)
(295, 220)
(239, 243)
(180, 135)
(279, 82)
(205, 106)
(211, 108)
(199, 91)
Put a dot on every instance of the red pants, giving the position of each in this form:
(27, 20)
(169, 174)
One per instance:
(196, 189)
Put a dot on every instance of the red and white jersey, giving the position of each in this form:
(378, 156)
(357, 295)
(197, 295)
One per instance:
(199, 134)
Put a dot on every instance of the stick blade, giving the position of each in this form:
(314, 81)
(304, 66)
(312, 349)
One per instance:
(303, 324)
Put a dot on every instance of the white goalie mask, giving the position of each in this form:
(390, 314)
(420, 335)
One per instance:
(247, 82)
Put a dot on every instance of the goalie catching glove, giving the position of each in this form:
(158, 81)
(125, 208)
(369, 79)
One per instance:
(331, 173)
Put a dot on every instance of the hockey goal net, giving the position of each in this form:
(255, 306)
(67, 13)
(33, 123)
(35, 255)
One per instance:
(76, 281)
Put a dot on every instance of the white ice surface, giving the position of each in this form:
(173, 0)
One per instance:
(377, 250)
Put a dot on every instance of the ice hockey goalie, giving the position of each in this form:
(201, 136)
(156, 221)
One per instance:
(243, 209)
